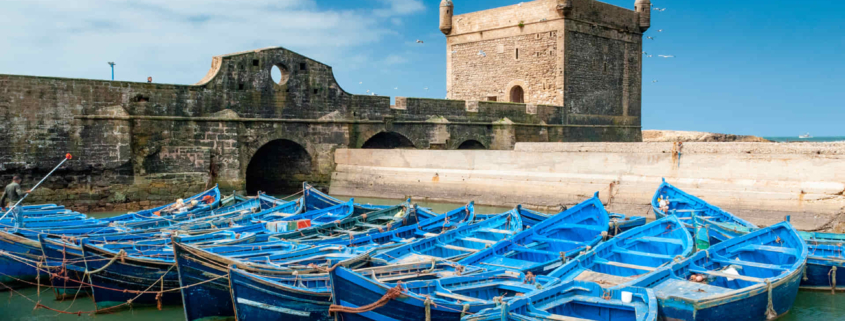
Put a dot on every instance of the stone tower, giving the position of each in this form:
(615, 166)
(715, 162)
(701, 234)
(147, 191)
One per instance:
(446, 12)
(584, 55)
(643, 8)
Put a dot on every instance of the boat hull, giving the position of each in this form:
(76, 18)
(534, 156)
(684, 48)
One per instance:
(744, 306)
(818, 275)
(16, 272)
(207, 300)
(351, 290)
(257, 299)
(130, 278)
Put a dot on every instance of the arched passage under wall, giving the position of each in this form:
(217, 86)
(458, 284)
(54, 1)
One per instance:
(278, 168)
(388, 140)
(471, 144)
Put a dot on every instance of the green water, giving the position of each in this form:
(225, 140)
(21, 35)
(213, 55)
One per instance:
(810, 305)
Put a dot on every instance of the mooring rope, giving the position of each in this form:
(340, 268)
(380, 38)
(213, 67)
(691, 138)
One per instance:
(832, 277)
(391, 294)
(770, 309)
(120, 255)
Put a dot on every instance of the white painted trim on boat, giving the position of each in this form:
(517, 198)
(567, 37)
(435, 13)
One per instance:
(273, 308)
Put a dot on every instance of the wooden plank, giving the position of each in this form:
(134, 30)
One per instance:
(726, 275)
(457, 297)
(625, 265)
(497, 231)
(558, 317)
(605, 280)
(458, 248)
(475, 239)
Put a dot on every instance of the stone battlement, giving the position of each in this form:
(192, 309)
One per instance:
(238, 127)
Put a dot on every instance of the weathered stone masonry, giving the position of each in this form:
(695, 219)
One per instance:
(581, 54)
(140, 144)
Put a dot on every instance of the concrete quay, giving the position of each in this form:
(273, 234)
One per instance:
(761, 182)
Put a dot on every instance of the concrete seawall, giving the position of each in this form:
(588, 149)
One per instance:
(758, 181)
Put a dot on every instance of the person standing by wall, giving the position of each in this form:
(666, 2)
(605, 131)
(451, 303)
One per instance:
(12, 194)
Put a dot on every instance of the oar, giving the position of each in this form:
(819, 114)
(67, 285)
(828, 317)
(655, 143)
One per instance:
(67, 157)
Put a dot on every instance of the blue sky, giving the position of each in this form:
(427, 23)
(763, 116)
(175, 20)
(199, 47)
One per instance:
(756, 67)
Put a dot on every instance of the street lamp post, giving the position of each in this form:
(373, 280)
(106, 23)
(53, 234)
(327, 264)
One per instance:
(112, 70)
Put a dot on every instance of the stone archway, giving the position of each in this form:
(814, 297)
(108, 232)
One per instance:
(388, 140)
(278, 168)
(471, 144)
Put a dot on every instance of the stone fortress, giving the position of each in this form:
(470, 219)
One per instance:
(549, 71)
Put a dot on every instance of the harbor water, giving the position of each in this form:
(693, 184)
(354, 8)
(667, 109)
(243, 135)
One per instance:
(18, 305)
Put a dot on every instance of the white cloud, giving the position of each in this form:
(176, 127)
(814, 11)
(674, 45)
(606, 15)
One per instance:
(395, 60)
(173, 41)
(399, 7)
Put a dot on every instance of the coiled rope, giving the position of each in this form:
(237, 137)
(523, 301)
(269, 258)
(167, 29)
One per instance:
(391, 294)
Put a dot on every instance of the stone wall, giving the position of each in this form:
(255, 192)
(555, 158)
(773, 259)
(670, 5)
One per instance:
(137, 144)
(761, 182)
(586, 57)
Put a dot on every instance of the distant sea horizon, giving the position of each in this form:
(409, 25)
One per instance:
(814, 139)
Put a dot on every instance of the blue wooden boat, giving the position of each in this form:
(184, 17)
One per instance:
(308, 296)
(368, 223)
(630, 255)
(531, 217)
(429, 227)
(18, 258)
(751, 277)
(458, 243)
(198, 266)
(825, 263)
(548, 244)
(576, 301)
(314, 200)
(620, 223)
(440, 299)
(116, 277)
(722, 225)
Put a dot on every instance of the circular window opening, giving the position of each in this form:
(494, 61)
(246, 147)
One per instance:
(280, 74)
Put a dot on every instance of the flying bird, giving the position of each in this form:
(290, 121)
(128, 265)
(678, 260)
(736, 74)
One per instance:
(482, 53)
(419, 41)
(395, 88)
(650, 56)
(454, 51)
(368, 90)
(645, 53)
(666, 56)
(426, 88)
(660, 30)
(520, 4)
(360, 82)
(652, 38)
(654, 81)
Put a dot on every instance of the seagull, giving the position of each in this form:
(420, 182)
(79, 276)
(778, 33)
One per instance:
(645, 53)
(650, 56)
(650, 37)
(360, 82)
(419, 41)
(660, 30)
(368, 90)
(482, 53)
(454, 51)
(374, 94)
(666, 56)
(654, 81)
(519, 5)
(426, 88)
(395, 88)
